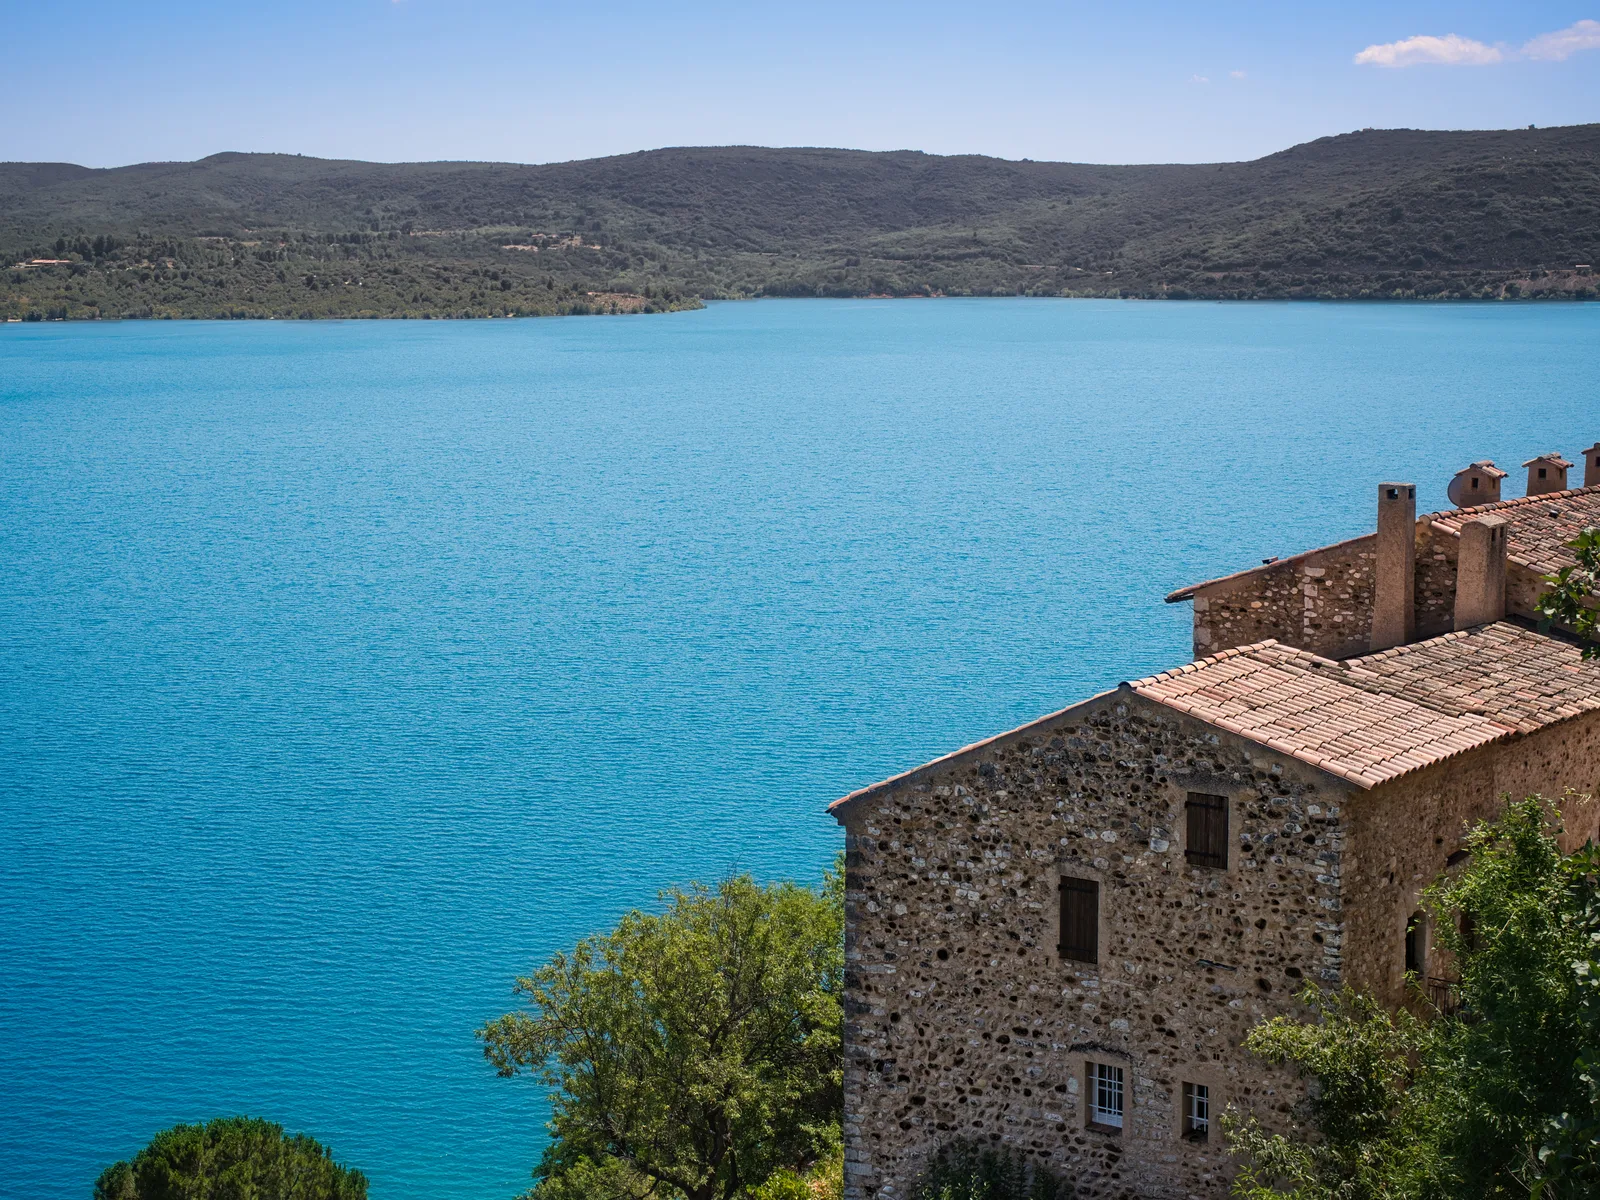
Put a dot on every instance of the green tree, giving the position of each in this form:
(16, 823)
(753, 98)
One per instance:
(1520, 923)
(695, 1051)
(1365, 1133)
(1498, 1099)
(1570, 599)
(230, 1158)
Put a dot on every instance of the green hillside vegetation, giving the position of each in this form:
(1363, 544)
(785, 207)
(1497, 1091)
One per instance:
(1391, 213)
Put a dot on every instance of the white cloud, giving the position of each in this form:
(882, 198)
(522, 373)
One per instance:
(1198, 79)
(1564, 43)
(1236, 74)
(1453, 50)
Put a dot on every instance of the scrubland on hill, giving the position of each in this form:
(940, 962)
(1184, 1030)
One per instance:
(1375, 214)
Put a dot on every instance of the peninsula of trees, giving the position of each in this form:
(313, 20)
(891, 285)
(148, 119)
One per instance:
(1373, 214)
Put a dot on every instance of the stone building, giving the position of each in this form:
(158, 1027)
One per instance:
(1058, 938)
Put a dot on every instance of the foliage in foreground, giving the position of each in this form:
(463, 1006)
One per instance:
(1570, 600)
(231, 1158)
(1497, 1100)
(692, 1052)
(964, 1170)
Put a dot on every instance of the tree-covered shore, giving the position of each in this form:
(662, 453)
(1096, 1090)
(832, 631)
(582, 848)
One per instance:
(1391, 214)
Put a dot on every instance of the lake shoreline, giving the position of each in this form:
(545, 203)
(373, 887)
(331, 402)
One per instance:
(699, 303)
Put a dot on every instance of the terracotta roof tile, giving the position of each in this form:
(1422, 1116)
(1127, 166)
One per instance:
(1541, 526)
(1502, 672)
(1380, 716)
(1301, 705)
(1369, 719)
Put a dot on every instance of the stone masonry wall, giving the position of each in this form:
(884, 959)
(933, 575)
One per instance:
(1435, 580)
(1321, 602)
(1401, 833)
(1523, 587)
(962, 1020)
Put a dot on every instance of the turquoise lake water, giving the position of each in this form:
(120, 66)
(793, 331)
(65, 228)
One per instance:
(347, 670)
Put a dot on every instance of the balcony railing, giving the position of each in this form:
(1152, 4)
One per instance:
(1444, 994)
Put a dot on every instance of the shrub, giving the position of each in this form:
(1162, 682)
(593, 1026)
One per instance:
(231, 1158)
(963, 1170)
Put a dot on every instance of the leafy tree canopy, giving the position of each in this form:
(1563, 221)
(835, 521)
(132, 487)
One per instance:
(695, 1051)
(1495, 1100)
(1570, 600)
(231, 1158)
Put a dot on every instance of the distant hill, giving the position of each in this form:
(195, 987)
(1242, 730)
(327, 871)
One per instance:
(1381, 213)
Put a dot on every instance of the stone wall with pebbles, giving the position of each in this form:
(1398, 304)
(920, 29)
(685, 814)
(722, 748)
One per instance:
(1320, 601)
(964, 1021)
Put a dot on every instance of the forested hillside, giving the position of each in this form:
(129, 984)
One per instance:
(1393, 213)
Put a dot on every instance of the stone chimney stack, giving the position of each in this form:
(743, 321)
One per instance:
(1547, 473)
(1481, 571)
(1591, 465)
(1477, 484)
(1394, 590)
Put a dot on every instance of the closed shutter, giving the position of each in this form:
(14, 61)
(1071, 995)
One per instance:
(1080, 920)
(1207, 842)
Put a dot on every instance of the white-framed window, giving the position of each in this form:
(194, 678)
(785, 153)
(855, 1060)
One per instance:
(1196, 1112)
(1105, 1095)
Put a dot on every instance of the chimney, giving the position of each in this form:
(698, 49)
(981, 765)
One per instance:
(1477, 484)
(1547, 473)
(1591, 465)
(1394, 590)
(1481, 571)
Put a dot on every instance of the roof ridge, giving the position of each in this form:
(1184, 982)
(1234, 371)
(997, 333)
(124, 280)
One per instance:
(1198, 664)
(1456, 733)
(1514, 502)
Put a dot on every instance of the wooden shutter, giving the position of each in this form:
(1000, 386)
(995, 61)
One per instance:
(1206, 844)
(1080, 920)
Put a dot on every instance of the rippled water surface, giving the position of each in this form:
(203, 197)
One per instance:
(348, 669)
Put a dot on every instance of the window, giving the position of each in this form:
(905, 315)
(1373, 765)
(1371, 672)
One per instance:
(1105, 1095)
(1416, 954)
(1080, 920)
(1542, 472)
(1207, 842)
(1196, 1112)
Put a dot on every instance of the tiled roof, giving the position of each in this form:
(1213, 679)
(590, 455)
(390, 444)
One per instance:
(1367, 720)
(1285, 700)
(1541, 526)
(1510, 675)
(1375, 718)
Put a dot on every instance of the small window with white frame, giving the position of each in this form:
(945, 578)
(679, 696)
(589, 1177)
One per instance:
(1196, 1112)
(1105, 1095)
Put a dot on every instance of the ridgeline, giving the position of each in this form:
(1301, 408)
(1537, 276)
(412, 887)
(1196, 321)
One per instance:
(1377, 214)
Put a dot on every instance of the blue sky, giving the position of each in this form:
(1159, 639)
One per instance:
(105, 83)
